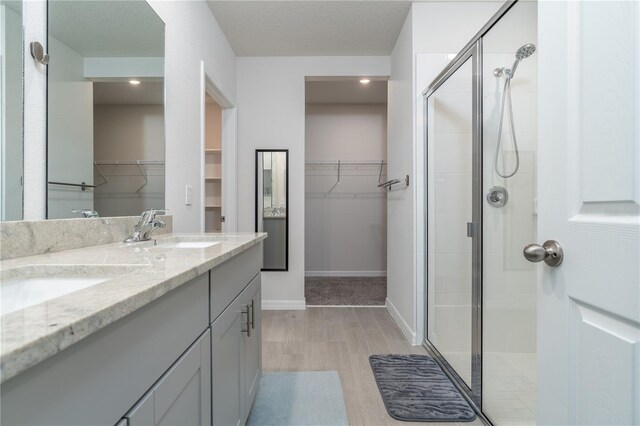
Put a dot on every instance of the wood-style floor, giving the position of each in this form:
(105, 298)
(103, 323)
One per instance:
(339, 339)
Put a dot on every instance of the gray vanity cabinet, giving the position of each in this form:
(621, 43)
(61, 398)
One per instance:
(183, 394)
(226, 365)
(191, 357)
(236, 357)
(253, 346)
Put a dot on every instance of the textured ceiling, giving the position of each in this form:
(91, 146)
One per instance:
(119, 93)
(104, 28)
(310, 28)
(345, 92)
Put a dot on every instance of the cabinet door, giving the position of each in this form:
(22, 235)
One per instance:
(182, 395)
(227, 350)
(253, 345)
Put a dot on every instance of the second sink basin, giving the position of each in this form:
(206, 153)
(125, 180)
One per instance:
(190, 244)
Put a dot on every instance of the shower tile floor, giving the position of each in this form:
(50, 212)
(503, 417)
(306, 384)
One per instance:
(510, 387)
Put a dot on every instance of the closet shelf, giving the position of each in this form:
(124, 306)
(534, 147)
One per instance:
(213, 150)
(213, 178)
(213, 206)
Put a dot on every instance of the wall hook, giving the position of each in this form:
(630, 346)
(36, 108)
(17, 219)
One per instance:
(37, 52)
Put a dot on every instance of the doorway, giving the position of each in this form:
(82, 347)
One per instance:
(213, 154)
(345, 210)
(218, 136)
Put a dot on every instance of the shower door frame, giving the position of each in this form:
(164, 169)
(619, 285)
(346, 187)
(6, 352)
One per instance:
(473, 51)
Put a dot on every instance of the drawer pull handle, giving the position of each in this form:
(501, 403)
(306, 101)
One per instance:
(253, 315)
(247, 324)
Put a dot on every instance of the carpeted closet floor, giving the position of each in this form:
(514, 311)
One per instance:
(360, 291)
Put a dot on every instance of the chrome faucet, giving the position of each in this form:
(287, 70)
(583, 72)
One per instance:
(86, 212)
(146, 225)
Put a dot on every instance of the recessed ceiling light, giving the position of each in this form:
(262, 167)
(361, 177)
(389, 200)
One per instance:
(134, 82)
(365, 81)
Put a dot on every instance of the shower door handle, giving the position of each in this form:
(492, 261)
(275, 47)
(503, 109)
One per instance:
(471, 229)
(550, 252)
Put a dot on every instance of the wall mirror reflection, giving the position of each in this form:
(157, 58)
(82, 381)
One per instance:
(272, 202)
(105, 127)
(11, 149)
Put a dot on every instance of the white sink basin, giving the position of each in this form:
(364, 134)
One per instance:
(31, 285)
(189, 244)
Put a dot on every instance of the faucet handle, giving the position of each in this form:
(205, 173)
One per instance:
(155, 211)
(159, 223)
(150, 215)
(87, 213)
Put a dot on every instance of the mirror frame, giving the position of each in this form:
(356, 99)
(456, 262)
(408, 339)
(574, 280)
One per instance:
(286, 177)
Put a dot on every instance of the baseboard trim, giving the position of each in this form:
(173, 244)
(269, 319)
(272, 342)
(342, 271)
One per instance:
(404, 327)
(345, 273)
(284, 305)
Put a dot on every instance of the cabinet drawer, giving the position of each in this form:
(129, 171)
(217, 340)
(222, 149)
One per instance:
(183, 394)
(231, 277)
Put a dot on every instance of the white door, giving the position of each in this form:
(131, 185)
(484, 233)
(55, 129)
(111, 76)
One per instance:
(589, 195)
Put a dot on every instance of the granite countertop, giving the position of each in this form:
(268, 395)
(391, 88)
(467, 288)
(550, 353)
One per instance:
(31, 335)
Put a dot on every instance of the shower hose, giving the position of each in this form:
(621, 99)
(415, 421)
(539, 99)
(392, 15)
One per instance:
(506, 97)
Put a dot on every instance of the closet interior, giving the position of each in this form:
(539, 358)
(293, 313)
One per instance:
(345, 192)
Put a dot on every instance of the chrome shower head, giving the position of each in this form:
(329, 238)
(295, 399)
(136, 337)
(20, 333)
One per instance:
(525, 51)
(522, 53)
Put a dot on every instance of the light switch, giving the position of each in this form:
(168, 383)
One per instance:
(188, 195)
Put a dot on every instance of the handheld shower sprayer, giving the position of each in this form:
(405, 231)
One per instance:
(523, 52)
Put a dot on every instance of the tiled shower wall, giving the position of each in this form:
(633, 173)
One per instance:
(509, 281)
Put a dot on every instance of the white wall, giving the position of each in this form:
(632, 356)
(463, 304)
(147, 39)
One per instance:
(345, 229)
(35, 118)
(192, 35)
(11, 114)
(70, 131)
(271, 114)
(128, 133)
(400, 202)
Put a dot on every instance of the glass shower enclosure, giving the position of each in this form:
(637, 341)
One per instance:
(481, 212)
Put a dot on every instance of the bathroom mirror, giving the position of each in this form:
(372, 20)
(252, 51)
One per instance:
(11, 105)
(105, 129)
(272, 206)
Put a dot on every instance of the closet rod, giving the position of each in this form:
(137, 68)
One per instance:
(346, 163)
(130, 163)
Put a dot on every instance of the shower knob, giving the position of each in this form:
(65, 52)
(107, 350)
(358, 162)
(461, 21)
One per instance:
(551, 252)
(497, 196)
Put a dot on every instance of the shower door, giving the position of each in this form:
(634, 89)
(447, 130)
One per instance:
(453, 233)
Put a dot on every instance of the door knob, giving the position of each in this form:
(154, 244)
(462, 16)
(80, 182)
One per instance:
(550, 252)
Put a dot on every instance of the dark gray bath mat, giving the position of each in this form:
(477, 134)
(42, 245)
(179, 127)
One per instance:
(414, 388)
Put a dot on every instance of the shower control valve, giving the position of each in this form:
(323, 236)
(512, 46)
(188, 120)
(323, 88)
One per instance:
(497, 196)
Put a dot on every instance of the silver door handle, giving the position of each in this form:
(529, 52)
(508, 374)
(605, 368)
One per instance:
(551, 252)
